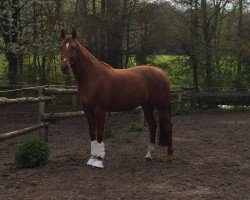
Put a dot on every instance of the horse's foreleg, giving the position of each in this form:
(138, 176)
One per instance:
(149, 115)
(100, 124)
(92, 130)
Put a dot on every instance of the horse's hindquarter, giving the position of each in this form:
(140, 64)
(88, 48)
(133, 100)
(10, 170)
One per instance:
(158, 85)
(134, 86)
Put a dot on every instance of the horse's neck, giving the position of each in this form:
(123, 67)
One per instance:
(85, 67)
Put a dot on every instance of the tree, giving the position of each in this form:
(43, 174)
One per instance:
(10, 28)
(239, 51)
(211, 37)
(194, 42)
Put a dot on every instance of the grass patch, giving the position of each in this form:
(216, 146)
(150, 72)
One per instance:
(3, 68)
(177, 67)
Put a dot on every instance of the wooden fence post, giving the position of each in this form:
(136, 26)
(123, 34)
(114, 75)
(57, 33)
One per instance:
(142, 118)
(74, 101)
(41, 110)
(179, 99)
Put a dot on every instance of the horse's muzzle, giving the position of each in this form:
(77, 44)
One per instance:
(65, 68)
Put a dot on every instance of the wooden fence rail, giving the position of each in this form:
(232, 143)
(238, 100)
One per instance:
(23, 131)
(53, 117)
(221, 98)
(6, 101)
(59, 91)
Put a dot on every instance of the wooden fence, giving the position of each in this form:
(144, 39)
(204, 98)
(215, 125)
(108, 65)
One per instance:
(46, 94)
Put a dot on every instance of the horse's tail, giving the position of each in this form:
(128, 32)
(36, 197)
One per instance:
(165, 135)
(163, 139)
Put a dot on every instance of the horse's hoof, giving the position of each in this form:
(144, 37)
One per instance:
(147, 159)
(98, 164)
(91, 161)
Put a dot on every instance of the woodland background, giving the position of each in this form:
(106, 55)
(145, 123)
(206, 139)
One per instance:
(200, 43)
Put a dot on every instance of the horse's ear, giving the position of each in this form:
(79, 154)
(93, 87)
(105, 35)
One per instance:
(73, 34)
(63, 34)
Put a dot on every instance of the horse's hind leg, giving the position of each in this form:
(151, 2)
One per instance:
(165, 137)
(152, 125)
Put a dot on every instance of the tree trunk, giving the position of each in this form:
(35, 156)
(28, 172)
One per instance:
(84, 27)
(15, 20)
(35, 50)
(9, 32)
(114, 34)
(102, 53)
(95, 29)
(41, 61)
(207, 39)
(194, 38)
(239, 51)
(126, 23)
(13, 61)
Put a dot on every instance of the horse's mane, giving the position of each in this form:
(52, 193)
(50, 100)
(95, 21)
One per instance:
(91, 55)
(85, 50)
(105, 64)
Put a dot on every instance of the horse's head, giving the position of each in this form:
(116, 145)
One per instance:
(68, 50)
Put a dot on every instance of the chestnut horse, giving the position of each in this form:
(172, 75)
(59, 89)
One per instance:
(102, 89)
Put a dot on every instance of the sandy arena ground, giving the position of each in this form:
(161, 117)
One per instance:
(211, 160)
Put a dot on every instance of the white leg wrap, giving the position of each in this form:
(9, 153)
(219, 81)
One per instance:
(97, 150)
(151, 149)
(91, 161)
(94, 148)
(98, 164)
(100, 150)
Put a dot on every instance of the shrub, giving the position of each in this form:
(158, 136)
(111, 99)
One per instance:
(33, 152)
(135, 127)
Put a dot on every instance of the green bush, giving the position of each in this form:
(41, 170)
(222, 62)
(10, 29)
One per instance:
(135, 127)
(33, 152)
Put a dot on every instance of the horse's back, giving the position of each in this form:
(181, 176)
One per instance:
(147, 73)
(154, 78)
(153, 75)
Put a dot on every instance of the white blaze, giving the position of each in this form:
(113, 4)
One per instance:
(67, 45)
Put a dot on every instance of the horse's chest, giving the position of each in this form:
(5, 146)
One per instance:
(84, 99)
(90, 100)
